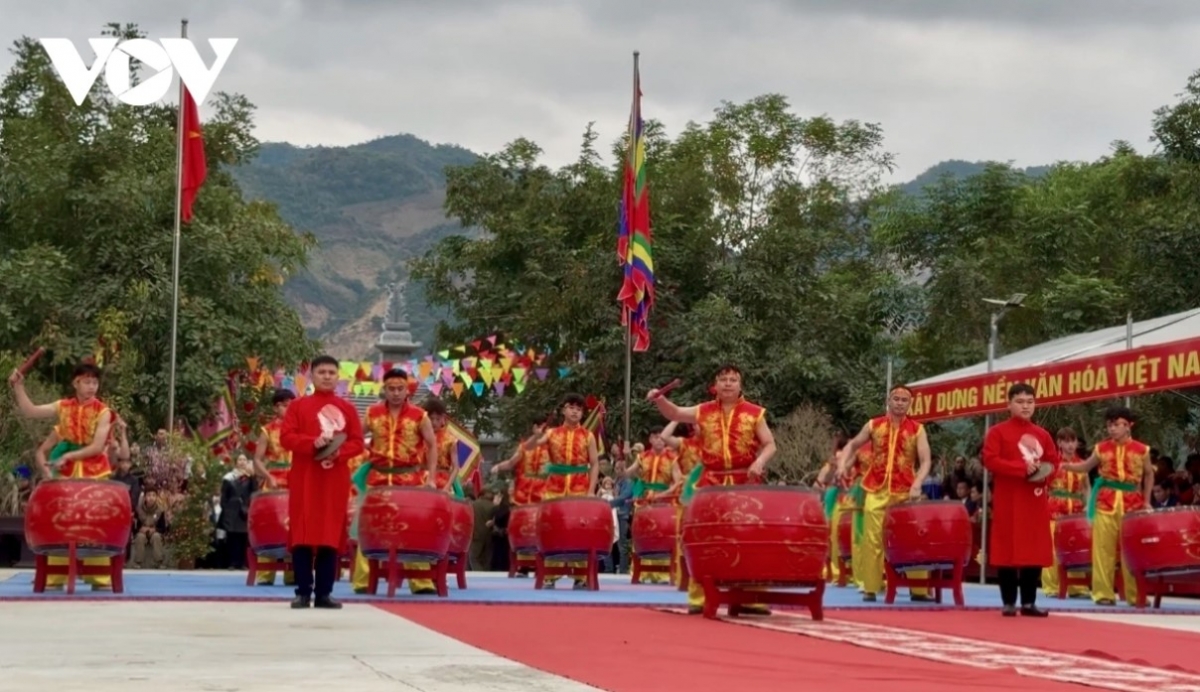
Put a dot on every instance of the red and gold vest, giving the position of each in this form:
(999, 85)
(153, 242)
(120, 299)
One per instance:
(446, 444)
(727, 443)
(396, 440)
(893, 462)
(1066, 493)
(529, 464)
(569, 446)
(1123, 464)
(77, 425)
(275, 456)
(656, 466)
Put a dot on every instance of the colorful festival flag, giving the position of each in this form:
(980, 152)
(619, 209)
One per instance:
(634, 249)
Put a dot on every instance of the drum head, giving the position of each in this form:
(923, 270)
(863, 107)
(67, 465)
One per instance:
(335, 443)
(1044, 471)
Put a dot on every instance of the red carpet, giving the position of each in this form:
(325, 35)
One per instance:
(635, 650)
(1110, 641)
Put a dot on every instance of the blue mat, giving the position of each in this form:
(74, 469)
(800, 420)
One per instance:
(497, 588)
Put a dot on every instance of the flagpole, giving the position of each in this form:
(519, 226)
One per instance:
(628, 316)
(179, 138)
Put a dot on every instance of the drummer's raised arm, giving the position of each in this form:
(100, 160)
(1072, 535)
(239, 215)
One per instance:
(1083, 466)
(856, 443)
(669, 410)
(540, 437)
(509, 462)
(668, 436)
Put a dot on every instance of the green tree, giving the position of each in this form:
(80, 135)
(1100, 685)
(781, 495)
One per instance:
(87, 202)
(762, 257)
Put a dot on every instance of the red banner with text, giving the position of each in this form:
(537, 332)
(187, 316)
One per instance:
(1124, 373)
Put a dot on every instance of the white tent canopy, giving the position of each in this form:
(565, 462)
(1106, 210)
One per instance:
(1155, 332)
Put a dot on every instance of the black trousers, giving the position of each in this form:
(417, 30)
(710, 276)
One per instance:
(1023, 579)
(325, 568)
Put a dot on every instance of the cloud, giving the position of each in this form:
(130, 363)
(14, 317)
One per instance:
(1017, 80)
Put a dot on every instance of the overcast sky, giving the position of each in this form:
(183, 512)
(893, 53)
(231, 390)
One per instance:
(1032, 81)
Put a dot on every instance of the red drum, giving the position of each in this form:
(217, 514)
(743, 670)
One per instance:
(462, 525)
(267, 523)
(1161, 541)
(95, 515)
(522, 529)
(574, 525)
(845, 534)
(927, 534)
(653, 529)
(755, 533)
(1073, 541)
(412, 521)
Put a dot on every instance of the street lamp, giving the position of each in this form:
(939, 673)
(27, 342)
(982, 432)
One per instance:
(1003, 306)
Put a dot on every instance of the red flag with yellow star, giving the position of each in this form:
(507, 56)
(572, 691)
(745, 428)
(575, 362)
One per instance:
(195, 168)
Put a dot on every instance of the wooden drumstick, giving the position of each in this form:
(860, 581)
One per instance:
(663, 390)
(31, 361)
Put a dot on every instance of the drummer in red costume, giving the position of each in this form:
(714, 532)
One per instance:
(574, 465)
(652, 474)
(1019, 545)
(84, 424)
(446, 475)
(272, 463)
(734, 444)
(318, 487)
(527, 466)
(1126, 479)
(892, 476)
(403, 453)
(1068, 493)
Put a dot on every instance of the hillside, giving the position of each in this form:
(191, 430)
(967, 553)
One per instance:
(374, 206)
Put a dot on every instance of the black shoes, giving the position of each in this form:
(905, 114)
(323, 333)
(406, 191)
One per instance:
(326, 602)
(1010, 611)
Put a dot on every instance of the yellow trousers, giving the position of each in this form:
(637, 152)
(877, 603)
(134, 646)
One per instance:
(870, 567)
(268, 578)
(834, 571)
(656, 577)
(1106, 544)
(97, 582)
(1050, 575)
(362, 572)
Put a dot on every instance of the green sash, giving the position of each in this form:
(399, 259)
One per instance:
(1065, 495)
(831, 498)
(689, 484)
(563, 469)
(60, 449)
(457, 488)
(640, 488)
(1109, 483)
(859, 496)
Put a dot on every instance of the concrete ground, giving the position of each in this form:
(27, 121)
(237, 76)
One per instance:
(234, 647)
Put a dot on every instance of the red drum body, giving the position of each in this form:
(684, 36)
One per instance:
(412, 521)
(927, 534)
(574, 525)
(653, 529)
(522, 528)
(462, 525)
(845, 535)
(1162, 541)
(1073, 541)
(95, 515)
(753, 533)
(267, 523)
